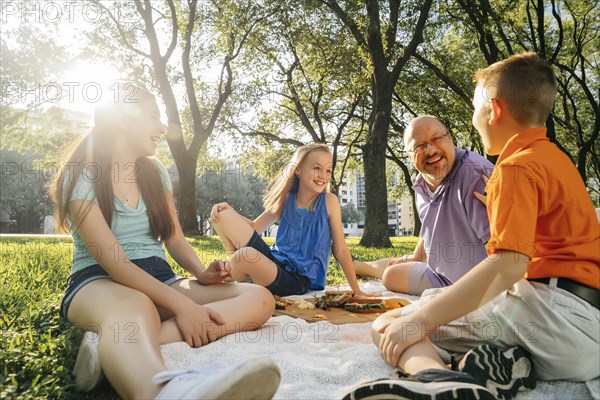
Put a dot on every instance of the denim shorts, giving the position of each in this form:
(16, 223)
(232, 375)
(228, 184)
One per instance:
(286, 283)
(155, 266)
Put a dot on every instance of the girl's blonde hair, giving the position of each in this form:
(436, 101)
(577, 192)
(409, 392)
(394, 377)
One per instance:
(287, 181)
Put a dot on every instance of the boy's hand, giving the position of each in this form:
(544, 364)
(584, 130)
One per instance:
(397, 336)
(480, 196)
(217, 272)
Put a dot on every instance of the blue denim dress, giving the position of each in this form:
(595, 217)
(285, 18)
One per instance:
(303, 242)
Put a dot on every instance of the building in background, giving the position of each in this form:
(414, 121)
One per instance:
(400, 213)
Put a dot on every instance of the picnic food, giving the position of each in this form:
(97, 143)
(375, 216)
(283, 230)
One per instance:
(280, 303)
(343, 300)
(392, 304)
(302, 304)
(365, 308)
(360, 305)
(333, 299)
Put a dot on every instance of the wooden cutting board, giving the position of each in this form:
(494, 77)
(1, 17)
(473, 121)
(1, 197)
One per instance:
(335, 315)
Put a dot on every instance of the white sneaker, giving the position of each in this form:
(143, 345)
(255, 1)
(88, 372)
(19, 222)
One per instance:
(251, 379)
(87, 370)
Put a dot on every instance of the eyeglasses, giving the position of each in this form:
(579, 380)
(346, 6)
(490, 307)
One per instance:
(420, 148)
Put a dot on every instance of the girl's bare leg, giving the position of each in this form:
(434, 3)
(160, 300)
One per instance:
(128, 326)
(243, 306)
(250, 262)
(233, 230)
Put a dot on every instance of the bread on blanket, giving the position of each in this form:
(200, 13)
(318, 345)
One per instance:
(365, 308)
(301, 304)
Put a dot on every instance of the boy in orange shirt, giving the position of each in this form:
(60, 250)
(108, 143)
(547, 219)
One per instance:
(532, 304)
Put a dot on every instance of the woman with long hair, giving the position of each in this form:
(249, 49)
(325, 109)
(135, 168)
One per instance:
(116, 199)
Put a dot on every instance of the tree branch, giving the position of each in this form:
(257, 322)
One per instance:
(174, 31)
(446, 79)
(121, 31)
(348, 23)
(416, 39)
(269, 136)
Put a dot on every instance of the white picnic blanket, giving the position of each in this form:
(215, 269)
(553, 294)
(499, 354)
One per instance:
(324, 361)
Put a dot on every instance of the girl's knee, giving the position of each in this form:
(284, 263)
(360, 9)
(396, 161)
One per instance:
(262, 295)
(262, 299)
(227, 216)
(266, 298)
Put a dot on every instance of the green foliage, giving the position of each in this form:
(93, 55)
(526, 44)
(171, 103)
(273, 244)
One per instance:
(38, 347)
(238, 187)
(350, 214)
(24, 190)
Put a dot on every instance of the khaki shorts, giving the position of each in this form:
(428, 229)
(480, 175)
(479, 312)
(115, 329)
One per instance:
(560, 330)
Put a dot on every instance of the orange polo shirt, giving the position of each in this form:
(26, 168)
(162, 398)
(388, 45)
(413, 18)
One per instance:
(538, 205)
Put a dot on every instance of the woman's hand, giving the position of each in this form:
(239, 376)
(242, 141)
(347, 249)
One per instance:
(217, 208)
(198, 324)
(217, 272)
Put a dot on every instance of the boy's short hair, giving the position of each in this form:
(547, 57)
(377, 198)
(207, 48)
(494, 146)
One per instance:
(525, 82)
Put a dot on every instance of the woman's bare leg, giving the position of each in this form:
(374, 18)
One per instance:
(242, 306)
(128, 325)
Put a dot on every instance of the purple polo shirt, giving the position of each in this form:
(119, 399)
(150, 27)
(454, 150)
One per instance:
(455, 225)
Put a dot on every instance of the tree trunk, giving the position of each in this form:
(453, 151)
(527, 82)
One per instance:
(416, 219)
(409, 185)
(187, 197)
(376, 210)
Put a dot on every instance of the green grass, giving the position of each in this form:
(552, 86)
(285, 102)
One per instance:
(38, 348)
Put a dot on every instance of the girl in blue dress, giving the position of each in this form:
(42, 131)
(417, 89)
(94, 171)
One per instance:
(310, 219)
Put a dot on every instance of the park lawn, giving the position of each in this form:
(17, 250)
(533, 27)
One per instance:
(38, 348)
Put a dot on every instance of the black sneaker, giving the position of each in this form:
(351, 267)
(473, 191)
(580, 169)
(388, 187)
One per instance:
(428, 384)
(504, 373)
